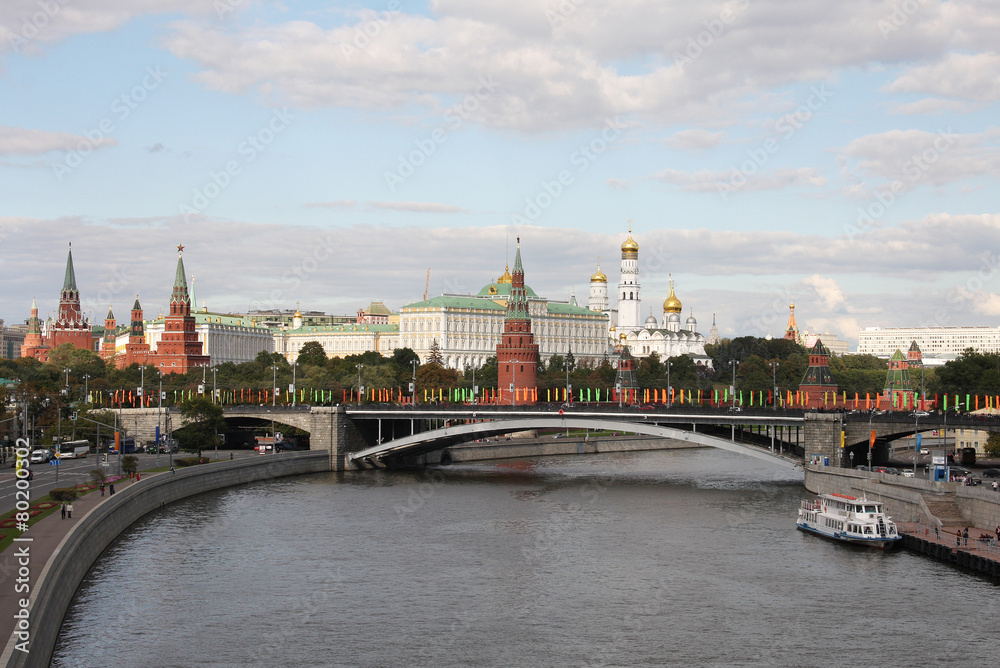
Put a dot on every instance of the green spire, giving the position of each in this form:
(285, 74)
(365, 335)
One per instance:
(517, 306)
(180, 293)
(69, 283)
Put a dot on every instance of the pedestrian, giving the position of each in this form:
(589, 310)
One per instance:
(965, 536)
(111, 489)
(138, 476)
(102, 489)
(69, 510)
(172, 470)
(64, 511)
(958, 538)
(231, 458)
(998, 532)
(937, 532)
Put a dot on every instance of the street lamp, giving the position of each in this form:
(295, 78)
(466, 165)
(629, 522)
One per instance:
(142, 383)
(66, 371)
(360, 388)
(274, 383)
(295, 365)
(774, 382)
(413, 383)
(670, 389)
(732, 388)
(215, 385)
(86, 388)
(513, 382)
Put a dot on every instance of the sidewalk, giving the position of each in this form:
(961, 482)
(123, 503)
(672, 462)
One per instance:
(949, 537)
(46, 536)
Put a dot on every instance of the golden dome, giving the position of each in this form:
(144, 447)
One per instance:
(630, 245)
(506, 278)
(599, 277)
(672, 304)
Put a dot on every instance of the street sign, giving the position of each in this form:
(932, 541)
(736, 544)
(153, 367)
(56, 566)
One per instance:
(74, 415)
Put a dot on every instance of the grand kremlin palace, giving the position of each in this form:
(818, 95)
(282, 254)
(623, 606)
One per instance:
(467, 329)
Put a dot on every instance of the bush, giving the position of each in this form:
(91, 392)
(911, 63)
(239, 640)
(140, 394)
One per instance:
(64, 495)
(189, 461)
(98, 475)
(129, 464)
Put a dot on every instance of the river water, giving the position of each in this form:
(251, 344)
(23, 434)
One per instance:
(686, 557)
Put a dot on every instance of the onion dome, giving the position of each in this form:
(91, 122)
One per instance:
(598, 276)
(650, 321)
(672, 304)
(506, 278)
(691, 320)
(630, 245)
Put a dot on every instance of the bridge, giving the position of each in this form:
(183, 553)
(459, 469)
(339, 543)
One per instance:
(393, 435)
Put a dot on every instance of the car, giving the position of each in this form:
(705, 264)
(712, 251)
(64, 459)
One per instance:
(907, 473)
(891, 470)
(40, 456)
(991, 473)
(861, 467)
(735, 409)
(559, 435)
(920, 414)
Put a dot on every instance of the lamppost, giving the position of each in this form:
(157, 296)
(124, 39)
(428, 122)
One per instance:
(513, 382)
(86, 388)
(413, 383)
(871, 441)
(475, 390)
(774, 382)
(142, 383)
(360, 388)
(670, 389)
(215, 385)
(66, 371)
(569, 388)
(295, 365)
(159, 416)
(916, 440)
(274, 383)
(732, 388)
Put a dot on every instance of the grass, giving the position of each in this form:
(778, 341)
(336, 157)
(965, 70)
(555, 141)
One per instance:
(9, 534)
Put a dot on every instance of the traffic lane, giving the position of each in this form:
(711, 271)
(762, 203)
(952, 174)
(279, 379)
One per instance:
(74, 471)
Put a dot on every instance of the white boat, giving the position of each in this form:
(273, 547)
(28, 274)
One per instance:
(848, 519)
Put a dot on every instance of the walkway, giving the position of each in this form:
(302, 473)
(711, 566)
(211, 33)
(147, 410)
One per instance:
(46, 535)
(980, 552)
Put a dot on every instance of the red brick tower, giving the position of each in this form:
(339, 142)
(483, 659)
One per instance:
(792, 330)
(517, 352)
(179, 348)
(34, 344)
(137, 350)
(109, 340)
(818, 383)
(70, 326)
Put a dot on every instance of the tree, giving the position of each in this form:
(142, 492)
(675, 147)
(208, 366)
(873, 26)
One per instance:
(992, 446)
(434, 357)
(312, 353)
(205, 422)
(64, 495)
(130, 464)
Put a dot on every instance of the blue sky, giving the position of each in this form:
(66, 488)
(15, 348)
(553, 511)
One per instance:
(844, 155)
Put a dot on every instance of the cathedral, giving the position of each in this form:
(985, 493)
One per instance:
(667, 337)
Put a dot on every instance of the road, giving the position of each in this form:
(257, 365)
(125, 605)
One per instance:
(74, 471)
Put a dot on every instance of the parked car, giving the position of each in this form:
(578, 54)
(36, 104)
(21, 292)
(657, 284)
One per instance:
(991, 473)
(920, 414)
(40, 456)
(891, 470)
(906, 473)
(861, 467)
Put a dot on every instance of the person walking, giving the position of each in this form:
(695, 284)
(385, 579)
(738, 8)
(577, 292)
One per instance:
(111, 489)
(63, 511)
(965, 537)
(69, 510)
(102, 489)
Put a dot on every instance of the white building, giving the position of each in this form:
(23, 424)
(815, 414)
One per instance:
(224, 338)
(933, 341)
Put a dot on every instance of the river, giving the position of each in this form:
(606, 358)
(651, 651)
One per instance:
(684, 557)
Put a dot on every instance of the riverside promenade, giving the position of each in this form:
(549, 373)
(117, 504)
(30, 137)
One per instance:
(979, 552)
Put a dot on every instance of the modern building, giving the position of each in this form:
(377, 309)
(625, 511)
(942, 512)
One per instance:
(11, 340)
(835, 345)
(934, 342)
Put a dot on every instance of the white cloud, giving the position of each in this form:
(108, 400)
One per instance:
(967, 76)
(338, 204)
(932, 105)
(617, 184)
(694, 139)
(24, 141)
(417, 207)
(827, 290)
(733, 181)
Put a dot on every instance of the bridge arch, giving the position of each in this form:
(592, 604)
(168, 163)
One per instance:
(395, 451)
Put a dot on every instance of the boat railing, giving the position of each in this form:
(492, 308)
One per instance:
(983, 544)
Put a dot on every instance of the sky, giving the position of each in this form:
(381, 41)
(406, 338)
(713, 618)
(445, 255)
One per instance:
(841, 155)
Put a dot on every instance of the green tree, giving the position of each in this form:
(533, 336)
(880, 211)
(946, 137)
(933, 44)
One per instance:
(312, 353)
(992, 447)
(129, 464)
(434, 356)
(205, 422)
(64, 495)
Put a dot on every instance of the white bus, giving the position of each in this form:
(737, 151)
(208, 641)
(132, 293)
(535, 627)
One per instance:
(73, 449)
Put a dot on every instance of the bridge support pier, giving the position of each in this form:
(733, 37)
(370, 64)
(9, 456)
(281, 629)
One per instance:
(822, 436)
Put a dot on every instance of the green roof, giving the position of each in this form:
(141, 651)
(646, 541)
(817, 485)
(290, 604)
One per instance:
(458, 302)
(502, 290)
(563, 308)
(69, 282)
(391, 328)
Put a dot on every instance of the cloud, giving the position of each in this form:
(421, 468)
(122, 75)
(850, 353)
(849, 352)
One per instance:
(338, 204)
(695, 140)
(827, 290)
(418, 207)
(23, 141)
(966, 76)
(617, 184)
(155, 148)
(932, 105)
(717, 182)
(912, 157)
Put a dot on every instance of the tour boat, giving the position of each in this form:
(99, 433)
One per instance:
(848, 519)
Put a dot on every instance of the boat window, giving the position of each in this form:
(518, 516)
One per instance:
(870, 509)
(868, 529)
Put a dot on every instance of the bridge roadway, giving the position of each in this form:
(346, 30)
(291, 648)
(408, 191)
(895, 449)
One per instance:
(493, 421)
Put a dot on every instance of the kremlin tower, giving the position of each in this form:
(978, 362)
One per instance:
(792, 331)
(517, 352)
(598, 290)
(110, 334)
(179, 348)
(70, 326)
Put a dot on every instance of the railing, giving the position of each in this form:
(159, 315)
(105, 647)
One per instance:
(983, 545)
